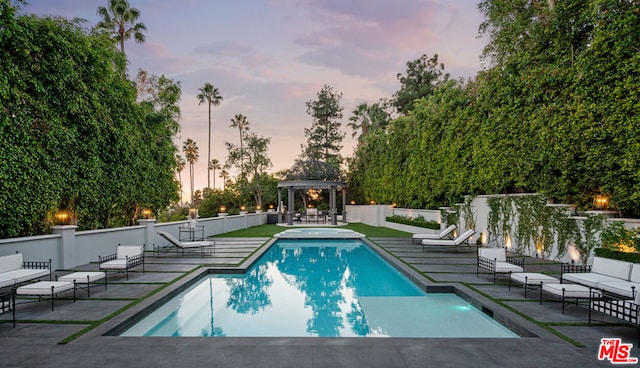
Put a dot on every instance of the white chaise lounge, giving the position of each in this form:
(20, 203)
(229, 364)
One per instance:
(496, 261)
(205, 247)
(125, 258)
(441, 235)
(462, 239)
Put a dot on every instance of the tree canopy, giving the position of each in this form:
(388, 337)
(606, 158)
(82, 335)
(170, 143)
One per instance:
(557, 112)
(324, 138)
(73, 135)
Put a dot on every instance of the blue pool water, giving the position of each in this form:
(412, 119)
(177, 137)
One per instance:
(312, 287)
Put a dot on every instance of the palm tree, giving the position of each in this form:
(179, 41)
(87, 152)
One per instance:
(224, 175)
(179, 167)
(117, 17)
(240, 121)
(214, 165)
(360, 121)
(190, 150)
(210, 95)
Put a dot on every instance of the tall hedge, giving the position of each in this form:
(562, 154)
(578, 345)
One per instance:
(72, 135)
(557, 112)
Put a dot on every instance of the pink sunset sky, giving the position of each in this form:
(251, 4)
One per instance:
(268, 57)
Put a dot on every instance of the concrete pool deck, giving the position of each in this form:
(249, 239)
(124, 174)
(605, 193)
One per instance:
(44, 337)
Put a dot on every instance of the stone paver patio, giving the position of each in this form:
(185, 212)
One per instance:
(73, 335)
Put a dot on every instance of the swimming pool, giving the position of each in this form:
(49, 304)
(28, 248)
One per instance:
(316, 287)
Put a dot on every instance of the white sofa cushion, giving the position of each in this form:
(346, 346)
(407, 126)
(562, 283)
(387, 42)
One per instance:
(635, 273)
(588, 278)
(5, 281)
(623, 288)
(11, 262)
(611, 267)
(25, 274)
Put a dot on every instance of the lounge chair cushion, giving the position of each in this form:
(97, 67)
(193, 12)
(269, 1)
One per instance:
(197, 244)
(44, 288)
(498, 254)
(439, 235)
(457, 241)
(125, 251)
(183, 245)
(506, 267)
(116, 264)
(570, 290)
(82, 277)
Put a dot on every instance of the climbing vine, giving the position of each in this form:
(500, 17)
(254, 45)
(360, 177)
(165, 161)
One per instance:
(538, 228)
(468, 216)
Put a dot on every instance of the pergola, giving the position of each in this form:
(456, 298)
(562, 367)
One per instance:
(332, 186)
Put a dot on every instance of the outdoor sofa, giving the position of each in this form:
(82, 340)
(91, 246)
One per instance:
(15, 270)
(611, 276)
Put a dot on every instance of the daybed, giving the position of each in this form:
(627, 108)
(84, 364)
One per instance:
(205, 247)
(14, 270)
(496, 261)
(441, 235)
(462, 239)
(609, 275)
(125, 258)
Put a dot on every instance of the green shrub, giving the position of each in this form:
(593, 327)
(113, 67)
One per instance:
(615, 254)
(418, 221)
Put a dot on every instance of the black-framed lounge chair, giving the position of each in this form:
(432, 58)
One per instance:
(441, 235)
(205, 247)
(496, 261)
(125, 258)
(462, 239)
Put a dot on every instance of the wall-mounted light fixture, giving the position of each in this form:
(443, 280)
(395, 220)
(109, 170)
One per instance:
(62, 217)
(601, 202)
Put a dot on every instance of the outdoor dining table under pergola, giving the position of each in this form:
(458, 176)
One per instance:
(332, 186)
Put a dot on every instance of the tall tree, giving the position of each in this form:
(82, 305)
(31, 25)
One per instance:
(422, 76)
(83, 105)
(179, 167)
(191, 154)
(240, 121)
(214, 165)
(324, 138)
(256, 164)
(120, 19)
(210, 95)
(366, 118)
(224, 175)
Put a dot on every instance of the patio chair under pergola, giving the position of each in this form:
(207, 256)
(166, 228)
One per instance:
(332, 186)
